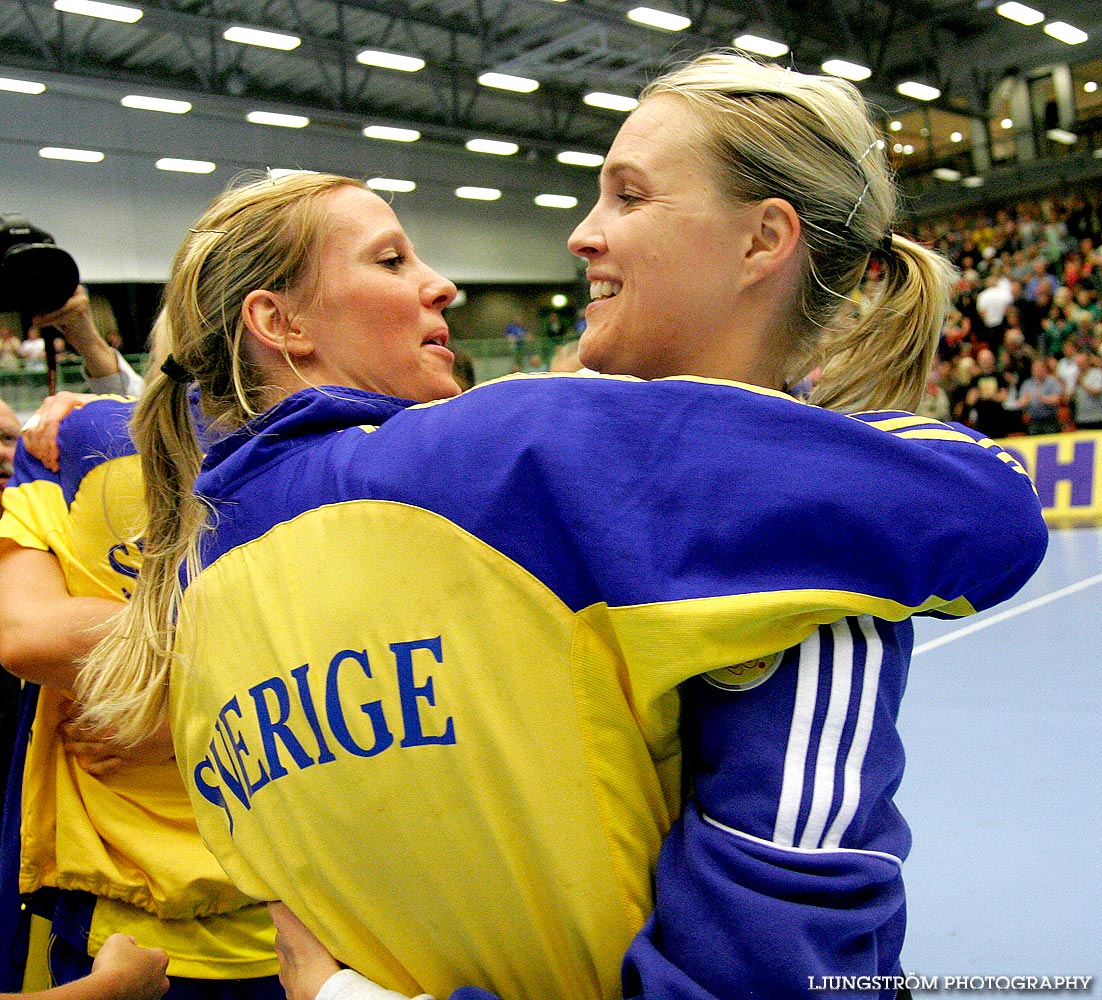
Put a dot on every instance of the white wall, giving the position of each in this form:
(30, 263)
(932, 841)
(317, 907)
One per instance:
(122, 218)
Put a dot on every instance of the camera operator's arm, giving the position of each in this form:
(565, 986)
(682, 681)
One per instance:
(105, 369)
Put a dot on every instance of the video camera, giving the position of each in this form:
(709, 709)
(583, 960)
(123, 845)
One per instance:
(36, 275)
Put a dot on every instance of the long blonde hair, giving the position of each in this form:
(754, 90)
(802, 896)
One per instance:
(808, 139)
(259, 234)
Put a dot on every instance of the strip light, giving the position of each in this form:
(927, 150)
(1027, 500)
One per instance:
(658, 19)
(478, 193)
(503, 81)
(555, 200)
(390, 60)
(492, 146)
(613, 102)
(847, 70)
(21, 86)
(919, 91)
(76, 155)
(575, 159)
(391, 184)
(265, 39)
(184, 166)
(143, 103)
(1020, 12)
(393, 134)
(1066, 33)
(274, 118)
(761, 46)
(95, 8)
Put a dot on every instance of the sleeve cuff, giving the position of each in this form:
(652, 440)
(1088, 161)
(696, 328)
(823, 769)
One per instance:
(350, 985)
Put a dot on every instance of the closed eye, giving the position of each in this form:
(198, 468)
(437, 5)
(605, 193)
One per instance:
(395, 262)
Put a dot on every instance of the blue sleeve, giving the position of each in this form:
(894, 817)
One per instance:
(722, 931)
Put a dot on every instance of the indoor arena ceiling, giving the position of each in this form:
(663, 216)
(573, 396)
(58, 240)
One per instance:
(177, 49)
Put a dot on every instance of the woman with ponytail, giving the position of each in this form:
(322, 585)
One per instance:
(422, 662)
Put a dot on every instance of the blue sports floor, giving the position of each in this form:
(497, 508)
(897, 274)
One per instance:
(1002, 721)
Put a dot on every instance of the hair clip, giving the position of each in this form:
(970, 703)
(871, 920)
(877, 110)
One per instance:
(176, 371)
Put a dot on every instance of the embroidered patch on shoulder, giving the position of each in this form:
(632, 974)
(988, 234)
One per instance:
(744, 676)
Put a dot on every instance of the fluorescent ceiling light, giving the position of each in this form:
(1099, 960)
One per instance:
(185, 166)
(274, 118)
(1062, 136)
(76, 155)
(1020, 12)
(947, 174)
(265, 39)
(761, 46)
(492, 146)
(658, 19)
(847, 70)
(556, 200)
(576, 159)
(394, 134)
(613, 102)
(93, 8)
(919, 91)
(974, 181)
(503, 81)
(390, 184)
(478, 194)
(1066, 33)
(156, 104)
(21, 86)
(390, 60)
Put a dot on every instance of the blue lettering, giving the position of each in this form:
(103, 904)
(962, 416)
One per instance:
(306, 696)
(270, 728)
(1079, 472)
(373, 710)
(240, 751)
(210, 792)
(410, 692)
(126, 550)
(229, 779)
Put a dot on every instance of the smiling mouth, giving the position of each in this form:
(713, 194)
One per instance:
(603, 289)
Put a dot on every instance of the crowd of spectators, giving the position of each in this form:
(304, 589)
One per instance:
(1021, 351)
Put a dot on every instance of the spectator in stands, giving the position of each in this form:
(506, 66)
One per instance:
(1040, 280)
(1067, 368)
(992, 304)
(32, 352)
(1040, 397)
(987, 391)
(9, 438)
(1016, 356)
(9, 350)
(935, 401)
(1087, 401)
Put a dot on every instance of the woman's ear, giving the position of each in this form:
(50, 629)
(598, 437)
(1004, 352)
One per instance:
(268, 317)
(775, 236)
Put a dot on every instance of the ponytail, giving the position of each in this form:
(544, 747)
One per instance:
(882, 359)
(124, 682)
